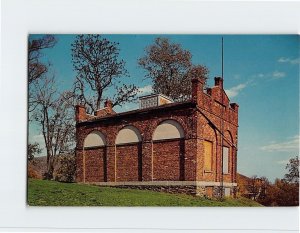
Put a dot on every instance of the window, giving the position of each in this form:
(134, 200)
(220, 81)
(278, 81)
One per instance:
(225, 160)
(208, 151)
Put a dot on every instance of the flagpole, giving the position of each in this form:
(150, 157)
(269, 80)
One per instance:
(222, 122)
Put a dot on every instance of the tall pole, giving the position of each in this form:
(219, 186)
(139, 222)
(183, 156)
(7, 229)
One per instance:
(222, 58)
(222, 122)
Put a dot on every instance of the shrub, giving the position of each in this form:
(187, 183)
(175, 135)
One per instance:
(66, 170)
(32, 173)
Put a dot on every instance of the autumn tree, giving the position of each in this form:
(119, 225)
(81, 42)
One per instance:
(55, 116)
(36, 67)
(170, 68)
(256, 187)
(99, 71)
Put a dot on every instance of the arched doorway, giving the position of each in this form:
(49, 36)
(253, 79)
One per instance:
(168, 151)
(128, 155)
(95, 157)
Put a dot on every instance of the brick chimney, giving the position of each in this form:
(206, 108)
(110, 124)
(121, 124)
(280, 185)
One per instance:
(197, 89)
(234, 106)
(107, 110)
(208, 91)
(108, 105)
(80, 113)
(219, 82)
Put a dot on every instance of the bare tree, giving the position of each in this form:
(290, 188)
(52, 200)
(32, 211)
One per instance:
(99, 69)
(55, 115)
(170, 68)
(37, 68)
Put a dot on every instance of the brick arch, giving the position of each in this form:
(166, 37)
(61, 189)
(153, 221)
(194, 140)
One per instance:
(210, 132)
(229, 137)
(232, 157)
(231, 152)
(128, 154)
(180, 121)
(134, 135)
(94, 156)
(94, 138)
(168, 153)
(210, 148)
(180, 131)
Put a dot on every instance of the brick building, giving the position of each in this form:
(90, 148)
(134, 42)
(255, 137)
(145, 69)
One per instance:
(174, 147)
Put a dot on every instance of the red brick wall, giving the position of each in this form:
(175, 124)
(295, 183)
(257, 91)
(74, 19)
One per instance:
(167, 161)
(79, 166)
(200, 120)
(128, 162)
(95, 165)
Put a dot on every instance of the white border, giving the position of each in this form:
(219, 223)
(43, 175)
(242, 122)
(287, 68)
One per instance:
(119, 16)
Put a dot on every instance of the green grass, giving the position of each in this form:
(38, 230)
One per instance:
(52, 193)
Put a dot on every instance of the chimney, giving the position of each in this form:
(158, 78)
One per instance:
(208, 91)
(197, 89)
(80, 113)
(234, 106)
(108, 105)
(219, 82)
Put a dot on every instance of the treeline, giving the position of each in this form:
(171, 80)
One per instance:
(283, 192)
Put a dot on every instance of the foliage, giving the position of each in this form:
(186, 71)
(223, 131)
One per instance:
(96, 61)
(32, 173)
(36, 68)
(32, 150)
(281, 193)
(293, 167)
(170, 68)
(51, 193)
(257, 187)
(67, 169)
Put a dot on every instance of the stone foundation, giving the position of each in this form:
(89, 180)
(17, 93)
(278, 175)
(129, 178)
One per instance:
(184, 187)
(191, 190)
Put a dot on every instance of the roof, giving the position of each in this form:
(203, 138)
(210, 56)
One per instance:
(170, 106)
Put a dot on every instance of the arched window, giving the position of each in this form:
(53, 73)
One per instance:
(94, 139)
(129, 134)
(168, 129)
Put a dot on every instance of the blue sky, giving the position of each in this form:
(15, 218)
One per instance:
(261, 74)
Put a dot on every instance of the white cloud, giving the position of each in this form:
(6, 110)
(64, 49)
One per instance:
(292, 61)
(278, 74)
(237, 76)
(39, 138)
(283, 162)
(269, 76)
(145, 90)
(234, 91)
(261, 75)
(291, 145)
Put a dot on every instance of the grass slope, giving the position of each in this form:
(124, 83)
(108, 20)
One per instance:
(52, 193)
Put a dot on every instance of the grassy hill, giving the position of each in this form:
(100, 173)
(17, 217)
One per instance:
(52, 193)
